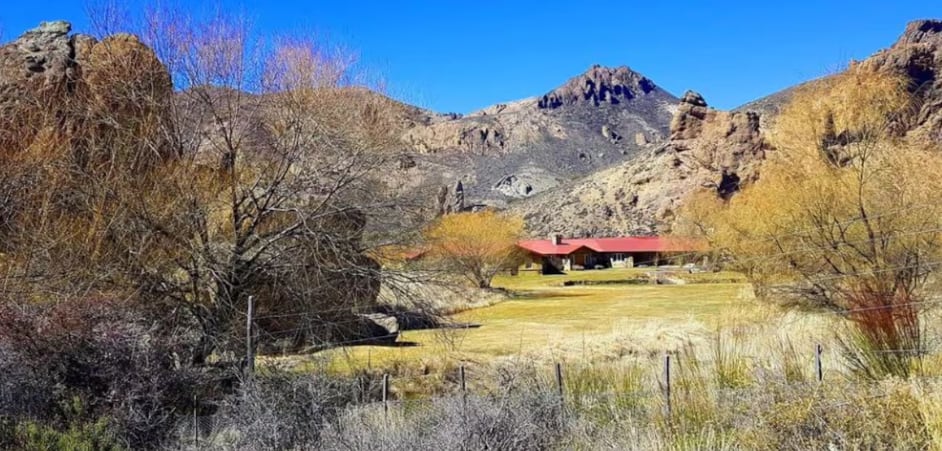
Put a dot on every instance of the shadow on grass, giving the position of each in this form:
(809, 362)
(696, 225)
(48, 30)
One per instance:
(389, 344)
(535, 295)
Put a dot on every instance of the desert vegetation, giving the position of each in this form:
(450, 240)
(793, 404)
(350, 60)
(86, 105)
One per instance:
(847, 218)
(198, 230)
(149, 195)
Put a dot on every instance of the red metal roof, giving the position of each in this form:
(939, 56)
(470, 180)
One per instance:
(610, 245)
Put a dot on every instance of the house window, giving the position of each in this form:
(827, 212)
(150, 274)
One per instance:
(618, 257)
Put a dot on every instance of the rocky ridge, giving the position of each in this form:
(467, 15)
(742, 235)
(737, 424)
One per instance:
(519, 149)
(708, 150)
(720, 152)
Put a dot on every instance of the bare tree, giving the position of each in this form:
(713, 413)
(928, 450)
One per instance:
(210, 166)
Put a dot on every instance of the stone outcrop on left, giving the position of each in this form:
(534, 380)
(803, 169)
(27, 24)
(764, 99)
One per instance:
(52, 81)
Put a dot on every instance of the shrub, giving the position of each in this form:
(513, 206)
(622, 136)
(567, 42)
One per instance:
(280, 410)
(100, 354)
(885, 336)
(512, 420)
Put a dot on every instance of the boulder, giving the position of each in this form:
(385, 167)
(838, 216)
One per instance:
(51, 82)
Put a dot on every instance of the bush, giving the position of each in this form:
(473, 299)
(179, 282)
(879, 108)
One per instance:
(280, 410)
(886, 336)
(101, 355)
(512, 420)
(97, 436)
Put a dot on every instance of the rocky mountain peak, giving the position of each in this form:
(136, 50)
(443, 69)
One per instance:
(599, 85)
(921, 31)
(693, 98)
(689, 117)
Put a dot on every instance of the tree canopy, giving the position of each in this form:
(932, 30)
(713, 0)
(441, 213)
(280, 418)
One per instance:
(476, 245)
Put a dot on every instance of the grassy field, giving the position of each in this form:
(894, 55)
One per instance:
(546, 320)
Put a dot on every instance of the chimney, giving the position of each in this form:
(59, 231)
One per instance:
(556, 239)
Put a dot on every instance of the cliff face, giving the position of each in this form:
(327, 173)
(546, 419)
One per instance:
(917, 55)
(720, 152)
(708, 150)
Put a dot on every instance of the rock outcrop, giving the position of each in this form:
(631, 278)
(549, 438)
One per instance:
(709, 150)
(38, 73)
(917, 55)
(51, 82)
(597, 86)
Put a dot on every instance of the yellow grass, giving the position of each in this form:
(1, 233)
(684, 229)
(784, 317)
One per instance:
(546, 320)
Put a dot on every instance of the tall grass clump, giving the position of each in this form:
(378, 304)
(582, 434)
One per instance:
(730, 367)
(885, 337)
(608, 392)
(793, 365)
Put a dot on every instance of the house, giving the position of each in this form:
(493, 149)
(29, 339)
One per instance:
(557, 254)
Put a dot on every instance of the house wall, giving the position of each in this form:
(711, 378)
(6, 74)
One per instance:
(621, 260)
(531, 263)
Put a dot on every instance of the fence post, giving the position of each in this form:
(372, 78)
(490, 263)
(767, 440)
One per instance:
(464, 394)
(385, 397)
(249, 346)
(559, 382)
(196, 424)
(819, 370)
(667, 384)
(464, 385)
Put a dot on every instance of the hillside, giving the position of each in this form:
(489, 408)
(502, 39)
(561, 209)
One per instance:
(720, 151)
(708, 149)
(607, 152)
(515, 150)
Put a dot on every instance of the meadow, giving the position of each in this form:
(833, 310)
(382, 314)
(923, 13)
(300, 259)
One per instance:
(598, 318)
(743, 374)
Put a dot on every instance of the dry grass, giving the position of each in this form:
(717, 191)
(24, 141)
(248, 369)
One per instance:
(545, 320)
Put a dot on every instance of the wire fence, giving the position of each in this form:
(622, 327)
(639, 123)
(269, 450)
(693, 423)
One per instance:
(681, 387)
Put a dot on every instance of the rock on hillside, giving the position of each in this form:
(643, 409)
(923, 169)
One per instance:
(518, 149)
(51, 80)
(918, 55)
(708, 149)
(720, 151)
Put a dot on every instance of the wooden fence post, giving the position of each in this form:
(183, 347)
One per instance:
(196, 424)
(819, 370)
(249, 345)
(464, 385)
(559, 382)
(464, 394)
(385, 397)
(667, 384)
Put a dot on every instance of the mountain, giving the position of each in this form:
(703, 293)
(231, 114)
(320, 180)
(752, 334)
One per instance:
(518, 149)
(607, 152)
(707, 150)
(720, 152)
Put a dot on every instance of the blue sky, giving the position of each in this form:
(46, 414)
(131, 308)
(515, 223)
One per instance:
(464, 55)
